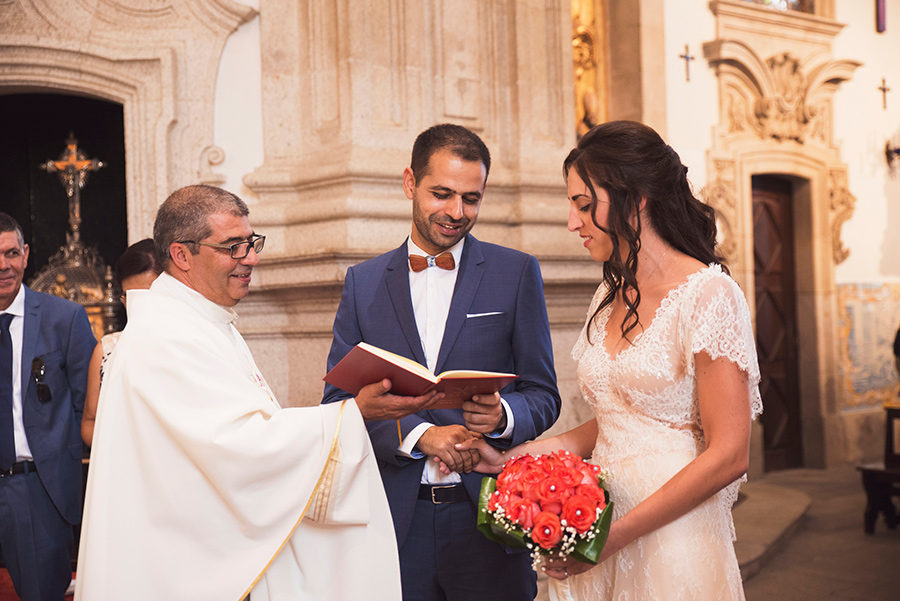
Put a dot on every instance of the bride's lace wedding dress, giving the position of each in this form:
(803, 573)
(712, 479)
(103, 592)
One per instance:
(644, 400)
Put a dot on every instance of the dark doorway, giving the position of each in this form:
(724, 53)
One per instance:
(776, 320)
(34, 130)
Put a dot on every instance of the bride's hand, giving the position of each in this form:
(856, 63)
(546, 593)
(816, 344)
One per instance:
(491, 461)
(563, 568)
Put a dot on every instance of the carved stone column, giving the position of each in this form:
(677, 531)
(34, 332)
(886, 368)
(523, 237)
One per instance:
(346, 88)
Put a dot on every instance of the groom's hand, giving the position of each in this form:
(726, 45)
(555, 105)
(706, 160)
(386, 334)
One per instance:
(483, 413)
(440, 442)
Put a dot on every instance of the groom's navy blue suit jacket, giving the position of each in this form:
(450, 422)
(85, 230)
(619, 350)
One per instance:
(497, 322)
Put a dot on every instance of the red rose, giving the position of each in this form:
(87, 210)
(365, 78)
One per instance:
(593, 492)
(547, 531)
(510, 479)
(522, 512)
(552, 507)
(590, 473)
(570, 475)
(552, 490)
(531, 480)
(497, 499)
(580, 512)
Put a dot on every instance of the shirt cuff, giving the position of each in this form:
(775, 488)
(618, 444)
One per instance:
(510, 423)
(407, 448)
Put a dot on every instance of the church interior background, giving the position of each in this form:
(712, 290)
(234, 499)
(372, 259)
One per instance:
(783, 111)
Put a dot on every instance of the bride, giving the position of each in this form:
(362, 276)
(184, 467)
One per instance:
(667, 362)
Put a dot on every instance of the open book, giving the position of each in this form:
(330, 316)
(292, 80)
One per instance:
(365, 364)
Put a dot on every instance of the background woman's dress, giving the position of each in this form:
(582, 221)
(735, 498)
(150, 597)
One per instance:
(645, 403)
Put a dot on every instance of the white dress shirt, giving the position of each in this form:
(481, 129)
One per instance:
(16, 328)
(432, 290)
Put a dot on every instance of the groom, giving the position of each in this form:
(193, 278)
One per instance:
(449, 301)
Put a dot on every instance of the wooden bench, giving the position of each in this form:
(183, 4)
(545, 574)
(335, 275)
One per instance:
(880, 484)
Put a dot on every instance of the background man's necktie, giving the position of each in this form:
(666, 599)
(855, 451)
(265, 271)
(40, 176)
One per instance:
(444, 260)
(7, 442)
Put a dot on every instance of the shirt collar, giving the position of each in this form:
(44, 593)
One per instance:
(455, 250)
(17, 307)
(166, 284)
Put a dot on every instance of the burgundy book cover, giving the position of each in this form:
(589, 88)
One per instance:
(365, 364)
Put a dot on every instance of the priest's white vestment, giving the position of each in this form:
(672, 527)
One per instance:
(198, 478)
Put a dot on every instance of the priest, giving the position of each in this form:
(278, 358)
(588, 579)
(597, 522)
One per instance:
(201, 486)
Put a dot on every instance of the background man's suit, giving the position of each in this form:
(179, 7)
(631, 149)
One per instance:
(497, 322)
(58, 333)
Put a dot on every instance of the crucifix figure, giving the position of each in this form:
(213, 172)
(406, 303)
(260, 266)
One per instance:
(884, 90)
(73, 167)
(688, 57)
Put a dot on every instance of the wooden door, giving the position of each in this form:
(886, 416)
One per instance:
(776, 320)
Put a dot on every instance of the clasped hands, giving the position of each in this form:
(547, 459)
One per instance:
(482, 414)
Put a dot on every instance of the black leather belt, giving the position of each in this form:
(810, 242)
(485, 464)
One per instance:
(443, 493)
(22, 467)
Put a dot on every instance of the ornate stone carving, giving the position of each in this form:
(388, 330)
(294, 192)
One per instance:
(209, 158)
(166, 83)
(841, 205)
(719, 194)
(780, 98)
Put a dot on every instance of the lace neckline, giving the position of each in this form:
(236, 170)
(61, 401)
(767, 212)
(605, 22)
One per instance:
(669, 298)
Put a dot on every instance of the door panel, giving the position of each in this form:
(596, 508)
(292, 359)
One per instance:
(776, 321)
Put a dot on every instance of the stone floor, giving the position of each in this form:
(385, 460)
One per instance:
(824, 555)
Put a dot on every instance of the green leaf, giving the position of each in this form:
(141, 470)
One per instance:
(588, 550)
(486, 523)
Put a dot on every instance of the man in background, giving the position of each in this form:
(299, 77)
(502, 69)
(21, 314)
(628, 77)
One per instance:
(450, 301)
(45, 346)
(897, 351)
(202, 486)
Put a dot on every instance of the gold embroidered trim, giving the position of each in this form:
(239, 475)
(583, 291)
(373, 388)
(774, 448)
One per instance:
(322, 477)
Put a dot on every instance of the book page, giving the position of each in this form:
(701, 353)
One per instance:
(472, 373)
(404, 362)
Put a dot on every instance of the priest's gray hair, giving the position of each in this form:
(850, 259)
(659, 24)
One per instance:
(185, 216)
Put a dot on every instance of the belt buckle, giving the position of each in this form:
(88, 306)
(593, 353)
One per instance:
(434, 488)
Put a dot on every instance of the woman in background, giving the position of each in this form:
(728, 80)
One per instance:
(667, 362)
(136, 269)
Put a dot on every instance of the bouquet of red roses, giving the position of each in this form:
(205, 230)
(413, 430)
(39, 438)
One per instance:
(553, 504)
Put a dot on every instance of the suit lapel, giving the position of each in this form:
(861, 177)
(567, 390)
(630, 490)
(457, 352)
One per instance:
(397, 279)
(471, 269)
(31, 327)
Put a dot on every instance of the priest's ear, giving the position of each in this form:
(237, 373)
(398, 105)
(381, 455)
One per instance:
(180, 256)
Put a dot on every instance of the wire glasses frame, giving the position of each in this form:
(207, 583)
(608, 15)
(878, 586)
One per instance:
(239, 250)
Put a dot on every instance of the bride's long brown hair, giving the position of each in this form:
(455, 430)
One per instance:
(630, 161)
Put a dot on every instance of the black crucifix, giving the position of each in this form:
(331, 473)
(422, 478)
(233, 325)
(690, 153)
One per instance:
(73, 167)
(688, 57)
(884, 90)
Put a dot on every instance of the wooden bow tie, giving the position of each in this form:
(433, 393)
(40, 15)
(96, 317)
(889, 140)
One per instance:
(444, 260)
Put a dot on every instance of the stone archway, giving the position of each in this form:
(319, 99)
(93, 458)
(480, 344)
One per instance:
(166, 84)
(775, 118)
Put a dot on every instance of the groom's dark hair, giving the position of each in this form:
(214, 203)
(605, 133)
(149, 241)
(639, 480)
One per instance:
(459, 140)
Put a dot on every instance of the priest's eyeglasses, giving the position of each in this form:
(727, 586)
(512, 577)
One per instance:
(239, 250)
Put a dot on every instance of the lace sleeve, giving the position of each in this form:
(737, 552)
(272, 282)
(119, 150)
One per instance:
(719, 324)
